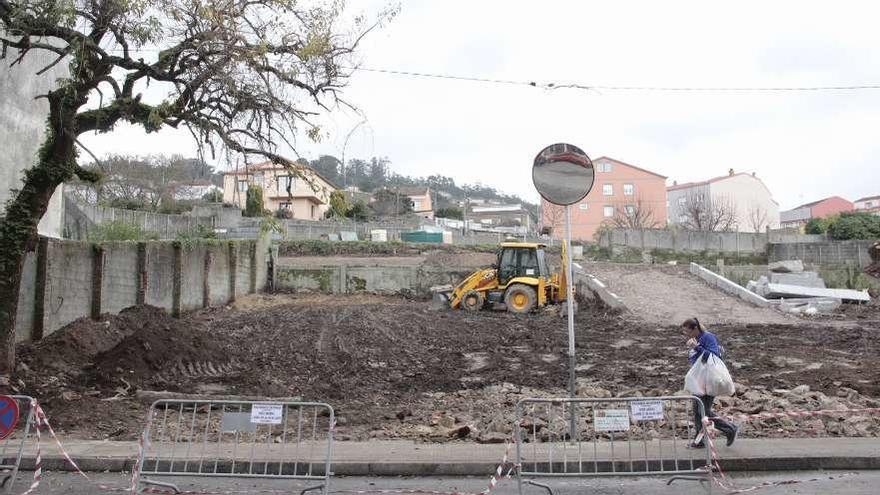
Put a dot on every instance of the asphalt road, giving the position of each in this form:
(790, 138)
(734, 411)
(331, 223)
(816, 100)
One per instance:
(807, 483)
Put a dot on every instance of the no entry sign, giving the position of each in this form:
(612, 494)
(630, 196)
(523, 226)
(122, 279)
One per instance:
(8, 415)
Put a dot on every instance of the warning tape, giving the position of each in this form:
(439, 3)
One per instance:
(41, 420)
(724, 482)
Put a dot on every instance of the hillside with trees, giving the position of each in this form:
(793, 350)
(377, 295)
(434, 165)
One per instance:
(376, 174)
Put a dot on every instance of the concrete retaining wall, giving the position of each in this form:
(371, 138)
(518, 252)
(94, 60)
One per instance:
(589, 284)
(80, 219)
(66, 280)
(830, 253)
(412, 280)
(727, 286)
(119, 284)
(685, 240)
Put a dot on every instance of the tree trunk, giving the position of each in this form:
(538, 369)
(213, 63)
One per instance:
(56, 163)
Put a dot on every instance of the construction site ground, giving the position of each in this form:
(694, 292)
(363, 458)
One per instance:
(665, 293)
(399, 369)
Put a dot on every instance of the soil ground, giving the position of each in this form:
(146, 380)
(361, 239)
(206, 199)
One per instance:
(394, 368)
(663, 293)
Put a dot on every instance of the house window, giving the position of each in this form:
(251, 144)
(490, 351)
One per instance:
(683, 219)
(681, 201)
(417, 205)
(313, 211)
(609, 211)
(869, 204)
(284, 206)
(628, 189)
(242, 185)
(258, 179)
(283, 182)
(604, 167)
(608, 189)
(630, 210)
(584, 206)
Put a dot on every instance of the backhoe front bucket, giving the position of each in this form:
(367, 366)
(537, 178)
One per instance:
(440, 296)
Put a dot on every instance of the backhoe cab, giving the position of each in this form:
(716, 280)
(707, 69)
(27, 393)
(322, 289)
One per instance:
(519, 281)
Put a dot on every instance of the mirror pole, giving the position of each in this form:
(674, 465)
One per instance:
(569, 299)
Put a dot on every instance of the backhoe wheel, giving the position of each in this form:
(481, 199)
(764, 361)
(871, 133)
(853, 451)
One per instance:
(520, 298)
(473, 301)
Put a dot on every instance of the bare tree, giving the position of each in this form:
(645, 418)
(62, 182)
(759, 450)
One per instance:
(552, 218)
(758, 218)
(243, 76)
(709, 213)
(636, 215)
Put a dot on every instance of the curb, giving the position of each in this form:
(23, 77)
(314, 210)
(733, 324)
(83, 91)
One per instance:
(735, 464)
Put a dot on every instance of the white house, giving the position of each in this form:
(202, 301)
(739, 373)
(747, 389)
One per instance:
(753, 203)
(870, 204)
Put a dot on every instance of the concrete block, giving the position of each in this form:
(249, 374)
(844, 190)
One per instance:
(776, 291)
(787, 266)
(728, 286)
(805, 279)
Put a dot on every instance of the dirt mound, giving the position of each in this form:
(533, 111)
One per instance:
(164, 351)
(396, 369)
(73, 347)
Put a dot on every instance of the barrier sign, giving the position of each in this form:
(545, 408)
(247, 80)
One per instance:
(266, 414)
(611, 419)
(647, 410)
(8, 415)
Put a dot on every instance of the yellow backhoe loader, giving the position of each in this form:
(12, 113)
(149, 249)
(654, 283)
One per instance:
(519, 281)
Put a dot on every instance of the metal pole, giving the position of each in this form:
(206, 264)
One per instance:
(569, 298)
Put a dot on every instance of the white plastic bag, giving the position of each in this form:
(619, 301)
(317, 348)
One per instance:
(710, 378)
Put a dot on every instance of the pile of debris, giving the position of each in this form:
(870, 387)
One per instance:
(797, 291)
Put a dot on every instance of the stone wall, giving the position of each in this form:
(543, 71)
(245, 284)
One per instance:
(66, 280)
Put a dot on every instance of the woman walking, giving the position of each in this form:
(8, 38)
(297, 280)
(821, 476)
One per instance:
(703, 345)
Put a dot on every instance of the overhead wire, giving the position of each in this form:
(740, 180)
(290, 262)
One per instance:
(601, 87)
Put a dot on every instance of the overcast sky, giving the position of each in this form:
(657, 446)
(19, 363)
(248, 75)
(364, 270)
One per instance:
(804, 145)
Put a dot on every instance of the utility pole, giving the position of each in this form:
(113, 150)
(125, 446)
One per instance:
(467, 202)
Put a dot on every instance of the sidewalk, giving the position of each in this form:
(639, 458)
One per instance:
(406, 458)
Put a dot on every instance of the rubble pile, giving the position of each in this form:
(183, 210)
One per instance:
(797, 291)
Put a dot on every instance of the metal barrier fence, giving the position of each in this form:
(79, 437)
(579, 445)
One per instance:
(279, 440)
(12, 447)
(612, 437)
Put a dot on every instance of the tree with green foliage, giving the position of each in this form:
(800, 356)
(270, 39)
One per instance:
(244, 75)
(358, 212)
(338, 205)
(451, 212)
(253, 204)
(214, 196)
(390, 203)
(855, 225)
(817, 226)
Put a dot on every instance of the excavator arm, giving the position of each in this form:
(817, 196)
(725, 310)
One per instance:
(480, 280)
